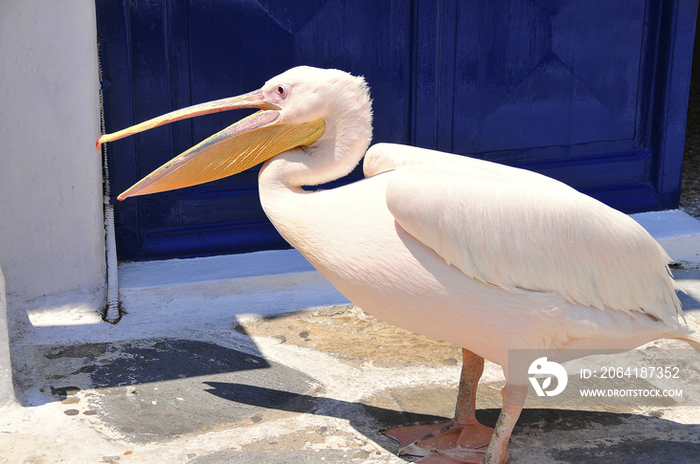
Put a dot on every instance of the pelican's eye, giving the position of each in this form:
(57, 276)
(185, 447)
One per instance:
(281, 91)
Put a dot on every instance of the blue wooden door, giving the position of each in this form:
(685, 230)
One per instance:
(591, 92)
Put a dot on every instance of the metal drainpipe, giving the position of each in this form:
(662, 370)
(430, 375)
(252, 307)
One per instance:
(112, 313)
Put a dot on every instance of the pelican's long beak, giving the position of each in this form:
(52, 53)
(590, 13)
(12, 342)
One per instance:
(240, 146)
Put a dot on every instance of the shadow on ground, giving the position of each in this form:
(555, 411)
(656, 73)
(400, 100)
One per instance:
(578, 429)
(156, 390)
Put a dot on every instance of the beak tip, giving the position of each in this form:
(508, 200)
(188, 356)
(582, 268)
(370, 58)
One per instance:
(98, 143)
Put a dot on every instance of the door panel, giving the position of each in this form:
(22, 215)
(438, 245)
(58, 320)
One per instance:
(549, 76)
(592, 93)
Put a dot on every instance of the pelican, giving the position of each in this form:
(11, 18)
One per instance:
(491, 258)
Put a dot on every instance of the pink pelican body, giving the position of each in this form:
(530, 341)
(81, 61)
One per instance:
(488, 257)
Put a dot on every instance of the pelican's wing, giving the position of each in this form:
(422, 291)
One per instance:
(519, 230)
(386, 156)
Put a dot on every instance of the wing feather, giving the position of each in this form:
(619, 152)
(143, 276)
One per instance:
(520, 230)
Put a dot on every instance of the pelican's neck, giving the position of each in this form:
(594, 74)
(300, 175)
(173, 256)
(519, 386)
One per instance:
(343, 144)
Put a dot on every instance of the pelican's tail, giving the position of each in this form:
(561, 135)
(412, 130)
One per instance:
(693, 339)
(692, 335)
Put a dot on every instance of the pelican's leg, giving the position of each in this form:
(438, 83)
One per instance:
(513, 401)
(463, 432)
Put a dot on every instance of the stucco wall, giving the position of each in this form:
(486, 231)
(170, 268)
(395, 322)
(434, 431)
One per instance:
(51, 234)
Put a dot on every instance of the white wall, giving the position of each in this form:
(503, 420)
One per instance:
(7, 389)
(51, 233)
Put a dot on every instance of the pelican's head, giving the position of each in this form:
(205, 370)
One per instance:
(302, 107)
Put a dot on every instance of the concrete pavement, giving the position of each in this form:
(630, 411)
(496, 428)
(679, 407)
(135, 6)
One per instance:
(214, 376)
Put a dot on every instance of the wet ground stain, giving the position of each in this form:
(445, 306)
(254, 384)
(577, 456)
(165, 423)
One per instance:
(354, 337)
